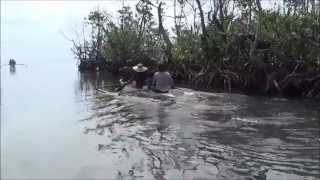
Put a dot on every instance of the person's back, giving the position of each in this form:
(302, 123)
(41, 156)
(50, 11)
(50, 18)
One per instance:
(140, 75)
(162, 80)
(140, 78)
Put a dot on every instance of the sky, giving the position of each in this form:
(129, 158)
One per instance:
(32, 29)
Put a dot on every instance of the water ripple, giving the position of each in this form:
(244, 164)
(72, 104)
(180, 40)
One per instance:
(207, 136)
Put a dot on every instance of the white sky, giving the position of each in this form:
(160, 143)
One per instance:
(64, 15)
(30, 29)
(28, 26)
(55, 15)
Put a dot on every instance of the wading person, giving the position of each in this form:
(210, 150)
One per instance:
(139, 76)
(12, 62)
(162, 80)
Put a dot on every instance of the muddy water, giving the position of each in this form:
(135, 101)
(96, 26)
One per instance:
(56, 125)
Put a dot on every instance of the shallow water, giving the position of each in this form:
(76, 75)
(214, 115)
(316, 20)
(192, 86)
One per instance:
(54, 124)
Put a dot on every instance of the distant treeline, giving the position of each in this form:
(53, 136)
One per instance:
(235, 45)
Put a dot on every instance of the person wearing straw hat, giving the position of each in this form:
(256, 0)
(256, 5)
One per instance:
(140, 75)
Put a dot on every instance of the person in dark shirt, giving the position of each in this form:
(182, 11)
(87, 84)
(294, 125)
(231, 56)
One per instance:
(140, 75)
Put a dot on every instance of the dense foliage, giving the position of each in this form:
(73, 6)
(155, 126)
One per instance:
(218, 44)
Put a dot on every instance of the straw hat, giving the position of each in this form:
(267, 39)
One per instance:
(139, 68)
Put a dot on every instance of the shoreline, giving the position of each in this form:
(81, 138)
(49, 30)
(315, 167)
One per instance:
(217, 89)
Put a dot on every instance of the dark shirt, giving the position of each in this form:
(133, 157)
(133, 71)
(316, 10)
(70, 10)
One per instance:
(139, 78)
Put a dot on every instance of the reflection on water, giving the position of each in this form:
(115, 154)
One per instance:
(12, 70)
(203, 135)
(95, 80)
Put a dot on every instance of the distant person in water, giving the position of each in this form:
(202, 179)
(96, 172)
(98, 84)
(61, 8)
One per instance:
(12, 62)
(162, 80)
(139, 76)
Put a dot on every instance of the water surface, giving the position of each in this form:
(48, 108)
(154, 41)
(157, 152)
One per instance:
(54, 124)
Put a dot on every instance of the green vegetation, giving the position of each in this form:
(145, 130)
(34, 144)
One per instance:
(234, 45)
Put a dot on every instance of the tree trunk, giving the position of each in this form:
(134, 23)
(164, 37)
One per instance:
(204, 32)
(142, 26)
(164, 35)
(258, 30)
(99, 40)
(313, 8)
(250, 16)
(175, 18)
(221, 15)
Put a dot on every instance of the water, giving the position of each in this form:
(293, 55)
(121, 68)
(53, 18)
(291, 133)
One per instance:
(54, 124)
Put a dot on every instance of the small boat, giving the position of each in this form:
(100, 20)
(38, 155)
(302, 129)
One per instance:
(144, 92)
(12, 62)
